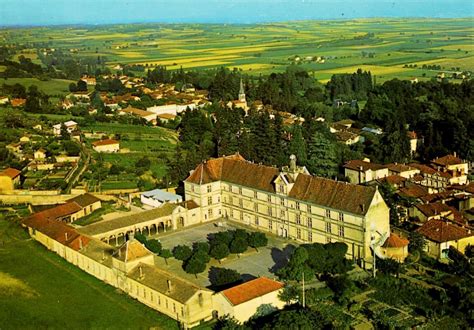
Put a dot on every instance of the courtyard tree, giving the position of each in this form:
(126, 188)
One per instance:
(238, 245)
(165, 254)
(140, 237)
(182, 252)
(194, 266)
(257, 239)
(153, 245)
(219, 251)
(223, 276)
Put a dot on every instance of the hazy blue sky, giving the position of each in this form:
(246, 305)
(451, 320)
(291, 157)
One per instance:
(45, 12)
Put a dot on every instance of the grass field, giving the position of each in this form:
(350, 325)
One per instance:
(265, 48)
(50, 87)
(38, 289)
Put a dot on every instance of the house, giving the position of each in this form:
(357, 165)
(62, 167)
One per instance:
(402, 170)
(90, 81)
(414, 141)
(440, 234)
(38, 127)
(290, 203)
(9, 178)
(25, 139)
(347, 137)
(88, 203)
(243, 301)
(40, 154)
(454, 166)
(64, 158)
(14, 147)
(395, 247)
(67, 104)
(147, 115)
(396, 181)
(426, 212)
(361, 171)
(107, 145)
(18, 103)
(70, 125)
(157, 197)
(4, 100)
(166, 117)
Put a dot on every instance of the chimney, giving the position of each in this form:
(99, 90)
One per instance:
(455, 154)
(169, 285)
(141, 271)
(65, 235)
(80, 243)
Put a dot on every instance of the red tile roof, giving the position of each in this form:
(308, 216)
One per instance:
(443, 231)
(433, 209)
(399, 167)
(104, 142)
(18, 102)
(251, 290)
(395, 241)
(447, 160)
(393, 179)
(414, 190)
(412, 135)
(467, 187)
(357, 164)
(10, 172)
(423, 168)
(84, 200)
(57, 212)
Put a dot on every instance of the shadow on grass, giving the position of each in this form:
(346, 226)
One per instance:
(281, 257)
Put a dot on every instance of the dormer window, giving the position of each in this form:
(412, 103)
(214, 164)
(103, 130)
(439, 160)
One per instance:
(281, 188)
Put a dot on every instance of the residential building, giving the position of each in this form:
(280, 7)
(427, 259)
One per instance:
(290, 203)
(39, 154)
(402, 170)
(9, 179)
(107, 145)
(395, 247)
(451, 164)
(147, 115)
(440, 234)
(166, 117)
(70, 126)
(361, 171)
(16, 103)
(4, 100)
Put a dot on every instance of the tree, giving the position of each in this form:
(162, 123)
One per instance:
(223, 276)
(182, 252)
(322, 156)
(417, 242)
(219, 251)
(297, 145)
(257, 239)
(166, 253)
(342, 288)
(153, 245)
(202, 247)
(289, 294)
(388, 266)
(194, 266)
(140, 237)
(238, 245)
(72, 148)
(81, 86)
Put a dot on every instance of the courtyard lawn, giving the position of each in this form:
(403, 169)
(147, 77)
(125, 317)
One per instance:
(38, 289)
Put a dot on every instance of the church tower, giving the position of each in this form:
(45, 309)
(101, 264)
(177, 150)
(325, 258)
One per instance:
(242, 92)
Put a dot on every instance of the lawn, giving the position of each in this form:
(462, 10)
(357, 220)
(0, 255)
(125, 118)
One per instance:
(50, 87)
(38, 289)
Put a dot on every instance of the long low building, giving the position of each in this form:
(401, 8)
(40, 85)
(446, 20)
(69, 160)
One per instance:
(291, 203)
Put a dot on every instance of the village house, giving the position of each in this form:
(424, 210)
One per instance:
(107, 145)
(15, 103)
(414, 141)
(454, 166)
(39, 154)
(402, 170)
(4, 100)
(395, 247)
(90, 81)
(9, 179)
(147, 115)
(166, 117)
(14, 147)
(70, 126)
(157, 197)
(440, 234)
(290, 203)
(361, 171)
(241, 301)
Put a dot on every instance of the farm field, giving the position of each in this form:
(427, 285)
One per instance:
(386, 45)
(63, 296)
(50, 87)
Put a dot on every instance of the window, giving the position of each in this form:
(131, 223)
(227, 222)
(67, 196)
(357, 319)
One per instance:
(255, 207)
(218, 199)
(310, 236)
(269, 211)
(270, 224)
(309, 209)
(209, 188)
(328, 213)
(328, 227)
(310, 223)
(174, 307)
(151, 297)
(241, 216)
(269, 198)
(192, 188)
(209, 200)
(341, 216)
(209, 212)
(328, 239)
(282, 214)
(297, 205)
(166, 303)
(255, 194)
(241, 203)
(282, 188)
(256, 221)
(282, 202)
(298, 233)
(240, 190)
(159, 299)
(298, 219)
(182, 311)
(341, 231)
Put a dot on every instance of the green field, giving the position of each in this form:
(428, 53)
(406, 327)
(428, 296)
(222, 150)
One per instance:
(265, 48)
(38, 289)
(50, 87)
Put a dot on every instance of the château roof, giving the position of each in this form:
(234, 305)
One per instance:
(250, 290)
(131, 250)
(320, 191)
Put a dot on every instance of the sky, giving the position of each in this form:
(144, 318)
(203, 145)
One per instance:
(60, 12)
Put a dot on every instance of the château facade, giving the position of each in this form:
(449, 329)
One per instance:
(291, 203)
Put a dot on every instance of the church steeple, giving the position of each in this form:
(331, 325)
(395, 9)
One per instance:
(242, 92)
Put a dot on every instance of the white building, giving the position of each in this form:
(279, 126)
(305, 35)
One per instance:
(157, 197)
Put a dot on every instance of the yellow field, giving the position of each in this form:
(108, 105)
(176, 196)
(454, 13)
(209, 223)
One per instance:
(194, 60)
(247, 67)
(374, 69)
(131, 54)
(198, 64)
(463, 47)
